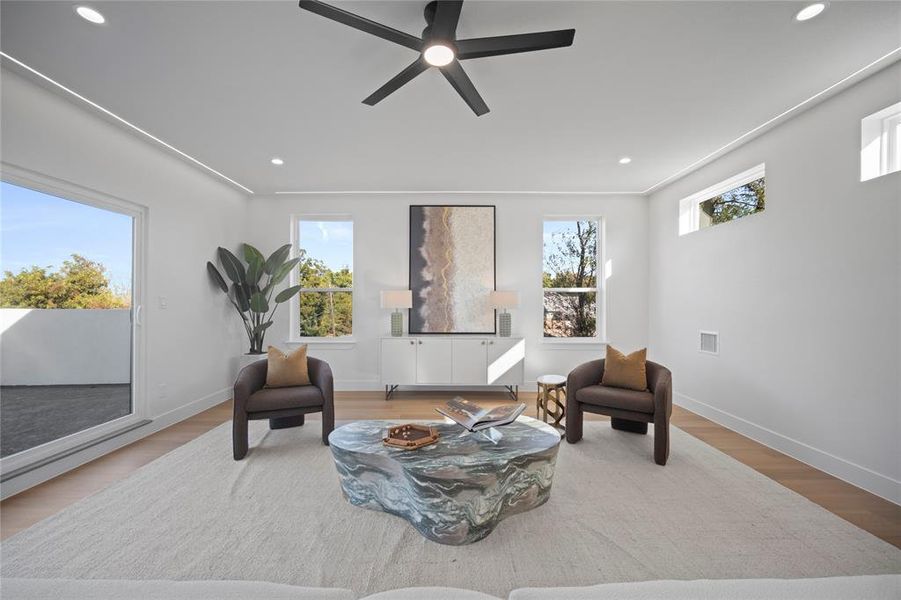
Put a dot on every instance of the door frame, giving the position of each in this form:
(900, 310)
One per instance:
(39, 182)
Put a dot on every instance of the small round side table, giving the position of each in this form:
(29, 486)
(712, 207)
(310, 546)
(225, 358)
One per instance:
(551, 400)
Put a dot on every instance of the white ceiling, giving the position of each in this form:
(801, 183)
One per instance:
(236, 83)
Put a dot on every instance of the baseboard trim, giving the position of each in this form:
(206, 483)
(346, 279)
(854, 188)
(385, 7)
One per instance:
(357, 385)
(39, 473)
(876, 483)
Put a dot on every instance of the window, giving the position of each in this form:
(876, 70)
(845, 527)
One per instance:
(737, 197)
(69, 296)
(570, 278)
(325, 273)
(880, 143)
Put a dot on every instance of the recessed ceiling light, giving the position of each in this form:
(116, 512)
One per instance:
(277, 161)
(438, 55)
(625, 160)
(810, 11)
(90, 14)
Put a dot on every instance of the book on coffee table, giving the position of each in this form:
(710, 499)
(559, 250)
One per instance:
(473, 417)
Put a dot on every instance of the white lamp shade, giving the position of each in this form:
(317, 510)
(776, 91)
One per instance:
(504, 299)
(396, 299)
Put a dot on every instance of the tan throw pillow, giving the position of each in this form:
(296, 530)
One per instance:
(625, 371)
(286, 370)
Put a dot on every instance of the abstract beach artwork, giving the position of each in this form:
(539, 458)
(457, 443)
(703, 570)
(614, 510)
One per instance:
(452, 269)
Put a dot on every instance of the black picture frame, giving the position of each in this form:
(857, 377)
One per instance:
(413, 323)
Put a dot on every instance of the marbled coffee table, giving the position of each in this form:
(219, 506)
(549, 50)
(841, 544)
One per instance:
(455, 491)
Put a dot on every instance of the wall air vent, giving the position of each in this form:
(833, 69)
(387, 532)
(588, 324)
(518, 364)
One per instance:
(710, 342)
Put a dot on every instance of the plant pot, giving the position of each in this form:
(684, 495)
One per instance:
(239, 362)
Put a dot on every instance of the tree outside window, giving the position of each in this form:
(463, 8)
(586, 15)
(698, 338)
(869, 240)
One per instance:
(325, 274)
(570, 279)
(738, 202)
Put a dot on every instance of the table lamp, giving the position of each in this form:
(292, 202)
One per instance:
(397, 299)
(504, 300)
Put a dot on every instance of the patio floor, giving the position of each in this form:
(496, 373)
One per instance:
(36, 414)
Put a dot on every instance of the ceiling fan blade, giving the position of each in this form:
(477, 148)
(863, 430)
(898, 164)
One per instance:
(447, 15)
(513, 44)
(458, 78)
(363, 24)
(396, 82)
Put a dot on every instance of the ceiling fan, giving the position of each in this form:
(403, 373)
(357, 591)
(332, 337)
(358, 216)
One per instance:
(439, 46)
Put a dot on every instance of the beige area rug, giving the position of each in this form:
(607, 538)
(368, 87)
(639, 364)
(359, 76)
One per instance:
(279, 516)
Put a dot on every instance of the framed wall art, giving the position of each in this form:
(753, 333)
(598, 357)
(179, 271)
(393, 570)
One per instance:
(452, 269)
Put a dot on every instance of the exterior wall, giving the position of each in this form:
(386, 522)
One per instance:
(64, 346)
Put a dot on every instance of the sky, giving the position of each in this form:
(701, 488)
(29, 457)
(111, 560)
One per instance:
(44, 230)
(552, 227)
(329, 241)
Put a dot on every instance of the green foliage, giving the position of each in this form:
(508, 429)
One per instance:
(571, 261)
(327, 313)
(253, 286)
(79, 283)
(742, 201)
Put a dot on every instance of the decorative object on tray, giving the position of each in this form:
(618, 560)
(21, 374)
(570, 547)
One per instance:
(452, 269)
(397, 299)
(504, 300)
(410, 436)
(476, 419)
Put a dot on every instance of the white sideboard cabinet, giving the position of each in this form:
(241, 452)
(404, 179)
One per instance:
(438, 360)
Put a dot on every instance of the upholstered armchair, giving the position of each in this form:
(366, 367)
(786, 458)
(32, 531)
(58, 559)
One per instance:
(629, 410)
(283, 406)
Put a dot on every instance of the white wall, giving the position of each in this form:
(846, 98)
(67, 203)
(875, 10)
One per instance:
(191, 343)
(381, 233)
(805, 296)
(64, 346)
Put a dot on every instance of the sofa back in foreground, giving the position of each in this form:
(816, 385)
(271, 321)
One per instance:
(864, 587)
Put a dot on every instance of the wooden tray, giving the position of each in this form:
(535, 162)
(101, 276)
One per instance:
(410, 436)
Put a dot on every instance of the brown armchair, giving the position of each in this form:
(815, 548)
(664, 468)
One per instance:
(629, 410)
(285, 406)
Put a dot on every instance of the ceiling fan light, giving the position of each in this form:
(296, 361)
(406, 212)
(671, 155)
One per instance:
(90, 14)
(810, 11)
(438, 55)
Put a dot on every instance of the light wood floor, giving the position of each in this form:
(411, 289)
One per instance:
(867, 511)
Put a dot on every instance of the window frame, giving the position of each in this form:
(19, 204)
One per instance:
(600, 289)
(294, 336)
(880, 143)
(890, 143)
(690, 207)
(31, 458)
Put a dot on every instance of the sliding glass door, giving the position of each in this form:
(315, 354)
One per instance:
(67, 319)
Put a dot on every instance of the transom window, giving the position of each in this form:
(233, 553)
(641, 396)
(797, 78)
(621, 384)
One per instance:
(737, 197)
(880, 143)
(570, 278)
(324, 307)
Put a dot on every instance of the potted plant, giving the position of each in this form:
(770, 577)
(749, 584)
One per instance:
(252, 287)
